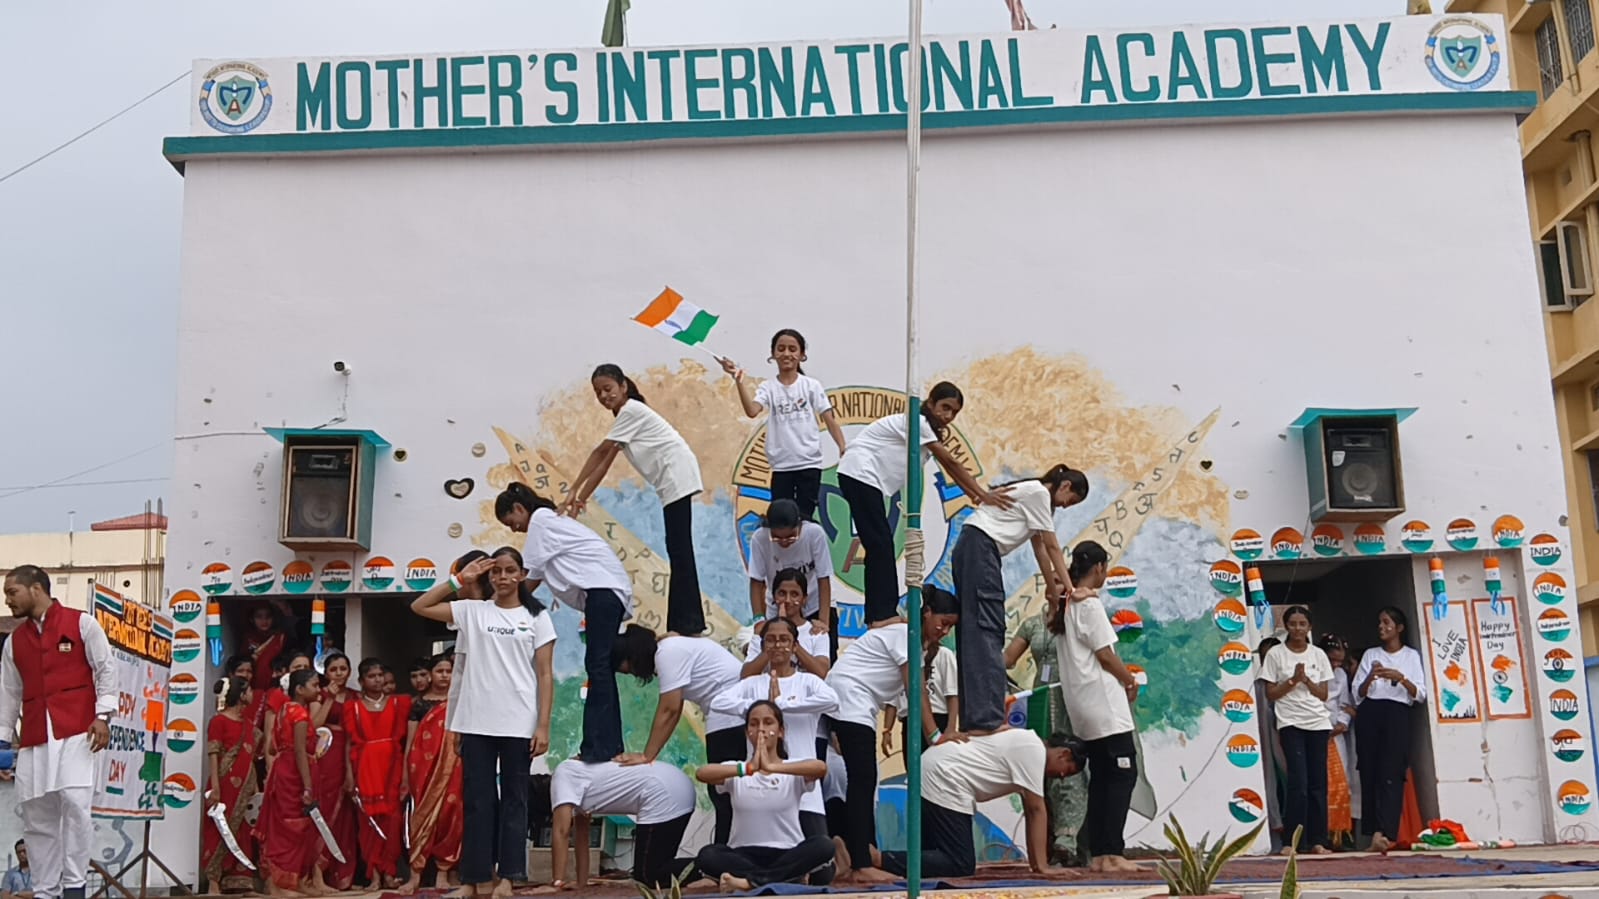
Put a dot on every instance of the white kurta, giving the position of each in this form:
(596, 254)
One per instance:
(57, 764)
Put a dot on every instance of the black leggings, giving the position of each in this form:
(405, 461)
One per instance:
(1305, 802)
(947, 846)
(1383, 735)
(857, 743)
(684, 613)
(725, 745)
(803, 486)
(494, 814)
(655, 860)
(1112, 775)
(867, 509)
(767, 864)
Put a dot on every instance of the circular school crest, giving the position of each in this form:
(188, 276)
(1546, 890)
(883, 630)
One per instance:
(855, 408)
(235, 98)
(1462, 53)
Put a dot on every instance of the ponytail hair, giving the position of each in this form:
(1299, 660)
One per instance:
(1085, 556)
(935, 601)
(529, 601)
(614, 372)
(798, 338)
(299, 679)
(515, 494)
(1056, 476)
(230, 692)
(943, 390)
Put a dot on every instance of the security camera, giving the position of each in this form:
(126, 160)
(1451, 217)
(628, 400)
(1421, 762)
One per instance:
(340, 368)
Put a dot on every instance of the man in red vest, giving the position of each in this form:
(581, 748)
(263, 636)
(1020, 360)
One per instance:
(56, 675)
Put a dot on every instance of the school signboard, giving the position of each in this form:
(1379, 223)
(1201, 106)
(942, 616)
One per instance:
(129, 780)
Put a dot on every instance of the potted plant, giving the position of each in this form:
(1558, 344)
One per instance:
(1197, 866)
(674, 892)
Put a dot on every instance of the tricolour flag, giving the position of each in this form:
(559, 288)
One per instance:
(677, 318)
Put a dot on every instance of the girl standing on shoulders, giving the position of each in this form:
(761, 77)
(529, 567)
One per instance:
(809, 646)
(787, 540)
(1297, 676)
(875, 468)
(289, 841)
(989, 534)
(664, 460)
(1387, 683)
(793, 401)
(377, 725)
(231, 746)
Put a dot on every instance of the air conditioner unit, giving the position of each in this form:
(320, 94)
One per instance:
(328, 479)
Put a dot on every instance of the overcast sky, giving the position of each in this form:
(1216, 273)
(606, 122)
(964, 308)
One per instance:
(89, 238)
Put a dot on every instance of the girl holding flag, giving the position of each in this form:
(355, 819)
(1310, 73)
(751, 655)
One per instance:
(665, 461)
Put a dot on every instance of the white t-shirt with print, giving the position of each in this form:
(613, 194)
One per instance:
(766, 809)
(571, 559)
(809, 553)
(657, 450)
(803, 698)
(957, 776)
(1299, 707)
(655, 793)
(1406, 661)
(944, 683)
(877, 456)
(869, 674)
(1095, 701)
(701, 668)
(498, 693)
(1010, 528)
(793, 437)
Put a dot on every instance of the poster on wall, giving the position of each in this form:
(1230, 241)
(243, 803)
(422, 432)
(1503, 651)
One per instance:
(131, 770)
(1454, 675)
(1499, 660)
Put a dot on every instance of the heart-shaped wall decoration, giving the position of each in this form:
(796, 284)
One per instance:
(460, 489)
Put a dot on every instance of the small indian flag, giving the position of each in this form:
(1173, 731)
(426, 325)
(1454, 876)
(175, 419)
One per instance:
(677, 318)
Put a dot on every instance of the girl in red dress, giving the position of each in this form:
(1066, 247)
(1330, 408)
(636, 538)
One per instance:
(333, 782)
(289, 841)
(433, 772)
(376, 723)
(265, 640)
(231, 746)
(277, 698)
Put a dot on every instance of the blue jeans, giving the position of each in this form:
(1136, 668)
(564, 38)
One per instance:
(602, 711)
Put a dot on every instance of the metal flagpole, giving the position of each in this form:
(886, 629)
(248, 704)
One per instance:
(913, 481)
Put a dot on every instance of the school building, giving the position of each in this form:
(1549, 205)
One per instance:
(1267, 284)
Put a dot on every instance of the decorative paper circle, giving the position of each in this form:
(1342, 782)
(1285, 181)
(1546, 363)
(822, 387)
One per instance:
(1243, 750)
(1416, 536)
(1370, 539)
(1563, 705)
(1508, 531)
(421, 574)
(183, 688)
(1574, 798)
(1544, 549)
(185, 645)
(1246, 806)
(378, 573)
(454, 530)
(1549, 588)
(177, 791)
(1327, 540)
(181, 734)
(1129, 625)
(1227, 578)
(258, 577)
(186, 606)
(1234, 658)
(298, 576)
(1568, 745)
(336, 576)
(216, 578)
(1120, 582)
(1287, 543)
(1559, 666)
(1238, 706)
(1554, 626)
(1462, 534)
(1247, 544)
(1229, 616)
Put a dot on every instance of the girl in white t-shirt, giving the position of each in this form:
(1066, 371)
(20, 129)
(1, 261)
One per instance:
(767, 844)
(810, 647)
(793, 401)
(875, 468)
(664, 460)
(500, 700)
(1388, 682)
(989, 534)
(788, 540)
(1297, 676)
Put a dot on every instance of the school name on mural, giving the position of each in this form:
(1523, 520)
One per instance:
(824, 80)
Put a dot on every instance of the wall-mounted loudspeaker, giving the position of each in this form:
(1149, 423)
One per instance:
(327, 492)
(1352, 468)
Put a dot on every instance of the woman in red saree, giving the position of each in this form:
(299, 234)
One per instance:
(433, 772)
(264, 641)
(376, 723)
(277, 698)
(231, 743)
(289, 841)
(332, 773)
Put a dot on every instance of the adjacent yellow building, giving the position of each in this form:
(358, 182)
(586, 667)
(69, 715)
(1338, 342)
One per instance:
(1551, 53)
(126, 554)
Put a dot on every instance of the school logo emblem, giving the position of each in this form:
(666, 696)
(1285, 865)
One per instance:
(216, 579)
(1227, 577)
(1370, 539)
(235, 98)
(186, 606)
(1129, 625)
(177, 791)
(378, 573)
(421, 574)
(1327, 540)
(1238, 706)
(1234, 658)
(258, 578)
(1247, 545)
(1568, 745)
(185, 645)
(1508, 531)
(1416, 536)
(298, 576)
(1550, 588)
(1574, 798)
(1120, 582)
(336, 576)
(1462, 534)
(1554, 626)
(1544, 549)
(1287, 543)
(1563, 705)
(183, 689)
(1559, 666)
(1243, 750)
(181, 734)
(1229, 616)
(1462, 53)
(1246, 806)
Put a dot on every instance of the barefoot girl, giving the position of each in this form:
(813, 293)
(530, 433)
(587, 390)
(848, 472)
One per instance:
(332, 771)
(377, 724)
(231, 746)
(793, 401)
(433, 772)
(663, 459)
(289, 841)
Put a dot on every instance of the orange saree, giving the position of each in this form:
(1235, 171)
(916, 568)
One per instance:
(435, 777)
